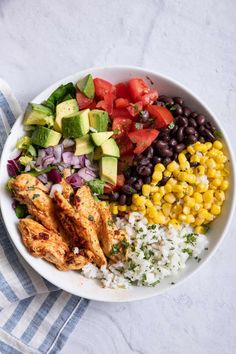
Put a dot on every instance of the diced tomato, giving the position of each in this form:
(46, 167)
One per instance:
(121, 112)
(109, 188)
(122, 126)
(101, 105)
(135, 108)
(121, 102)
(122, 91)
(124, 162)
(125, 145)
(109, 99)
(92, 105)
(103, 87)
(149, 97)
(142, 138)
(137, 88)
(82, 100)
(162, 116)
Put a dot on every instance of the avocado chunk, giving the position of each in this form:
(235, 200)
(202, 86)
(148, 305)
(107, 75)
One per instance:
(45, 137)
(86, 86)
(37, 114)
(100, 138)
(97, 153)
(84, 145)
(76, 124)
(108, 169)
(110, 148)
(98, 120)
(64, 109)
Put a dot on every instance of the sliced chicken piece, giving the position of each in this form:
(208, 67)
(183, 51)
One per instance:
(112, 240)
(85, 204)
(49, 245)
(80, 229)
(28, 190)
(68, 191)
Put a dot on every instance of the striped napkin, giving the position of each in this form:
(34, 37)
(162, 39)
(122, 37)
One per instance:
(35, 316)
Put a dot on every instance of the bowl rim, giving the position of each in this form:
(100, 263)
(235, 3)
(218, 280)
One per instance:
(185, 88)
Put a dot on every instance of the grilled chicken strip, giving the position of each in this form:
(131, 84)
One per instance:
(28, 190)
(85, 204)
(110, 237)
(49, 245)
(68, 191)
(80, 229)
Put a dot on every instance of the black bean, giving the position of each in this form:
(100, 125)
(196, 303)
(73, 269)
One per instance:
(182, 121)
(179, 100)
(128, 189)
(166, 161)
(147, 180)
(103, 197)
(191, 139)
(115, 196)
(194, 164)
(175, 156)
(165, 130)
(160, 144)
(128, 172)
(143, 116)
(163, 181)
(201, 119)
(144, 161)
(149, 152)
(193, 114)
(208, 134)
(160, 103)
(174, 130)
(210, 127)
(129, 200)
(131, 180)
(173, 142)
(178, 110)
(122, 199)
(166, 152)
(189, 131)
(144, 171)
(192, 123)
(167, 100)
(179, 148)
(201, 129)
(156, 159)
(180, 134)
(186, 111)
(138, 184)
(202, 139)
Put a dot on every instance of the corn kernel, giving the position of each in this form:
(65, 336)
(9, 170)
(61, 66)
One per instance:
(186, 210)
(191, 179)
(207, 205)
(178, 188)
(203, 160)
(159, 218)
(166, 208)
(140, 201)
(208, 196)
(189, 190)
(182, 176)
(148, 203)
(191, 149)
(180, 195)
(211, 163)
(174, 222)
(159, 167)
(190, 202)
(157, 176)
(146, 189)
(199, 230)
(184, 166)
(195, 158)
(103, 203)
(217, 145)
(177, 209)
(224, 185)
(221, 158)
(208, 145)
(162, 191)
(200, 170)
(211, 173)
(152, 212)
(168, 188)
(220, 195)
(173, 166)
(156, 198)
(182, 217)
(122, 207)
(133, 207)
(172, 181)
(182, 158)
(135, 197)
(115, 210)
(170, 198)
(199, 221)
(202, 187)
(197, 207)
(215, 209)
(203, 213)
(216, 182)
(167, 173)
(220, 166)
(190, 219)
(154, 189)
(225, 172)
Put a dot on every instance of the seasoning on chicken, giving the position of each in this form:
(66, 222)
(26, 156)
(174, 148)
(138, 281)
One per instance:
(49, 245)
(68, 191)
(80, 228)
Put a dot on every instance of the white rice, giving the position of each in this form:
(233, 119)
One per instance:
(155, 252)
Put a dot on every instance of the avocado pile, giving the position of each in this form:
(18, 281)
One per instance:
(57, 118)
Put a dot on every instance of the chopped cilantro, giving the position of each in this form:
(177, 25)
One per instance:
(131, 265)
(206, 228)
(110, 222)
(173, 108)
(31, 188)
(36, 195)
(190, 238)
(218, 134)
(171, 125)
(21, 211)
(116, 131)
(115, 249)
(155, 283)
(138, 126)
(120, 270)
(144, 277)
(124, 243)
(36, 172)
(187, 250)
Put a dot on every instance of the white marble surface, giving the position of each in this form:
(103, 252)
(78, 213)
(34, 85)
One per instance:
(195, 43)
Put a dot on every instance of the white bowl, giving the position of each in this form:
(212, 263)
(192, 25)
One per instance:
(72, 281)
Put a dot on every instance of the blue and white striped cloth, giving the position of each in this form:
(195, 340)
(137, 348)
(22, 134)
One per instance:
(35, 316)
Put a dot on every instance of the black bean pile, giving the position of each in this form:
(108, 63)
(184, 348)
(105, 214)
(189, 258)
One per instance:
(187, 128)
